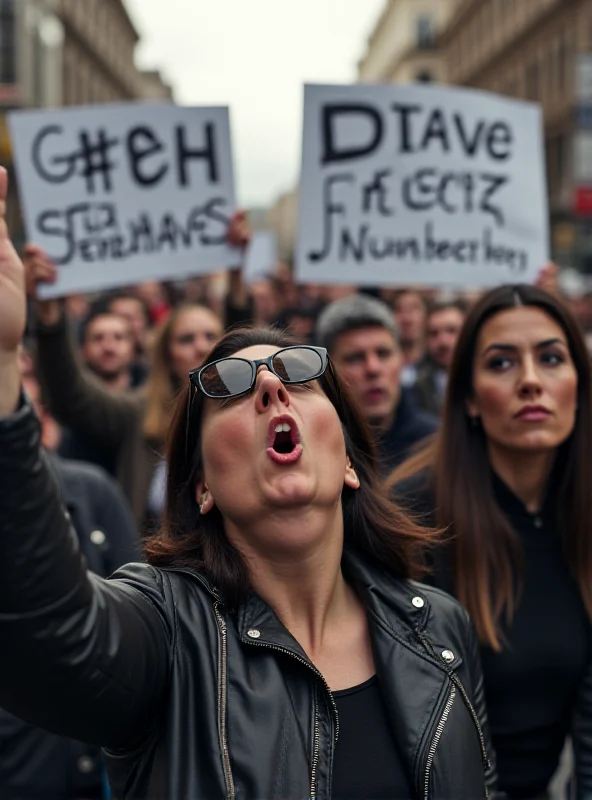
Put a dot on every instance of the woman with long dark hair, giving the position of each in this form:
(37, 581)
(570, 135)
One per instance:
(510, 479)
(274, 647)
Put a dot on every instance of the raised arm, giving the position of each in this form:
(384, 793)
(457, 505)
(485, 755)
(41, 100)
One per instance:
(83, 657)
(76, 399)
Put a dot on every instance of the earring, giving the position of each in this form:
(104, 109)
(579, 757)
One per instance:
(201, 509)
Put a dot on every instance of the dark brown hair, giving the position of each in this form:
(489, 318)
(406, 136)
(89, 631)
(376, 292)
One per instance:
(486, 555)
(373, 525)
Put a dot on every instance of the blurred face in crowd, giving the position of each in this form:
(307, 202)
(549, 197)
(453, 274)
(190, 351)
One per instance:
(443, 328)
(410, 314)
(265, 301)
(524, 382)
(193, 335)
(132, 309)
(370, 362)
(77, 306)
(108, 347)
(152, 293)
(241, 474)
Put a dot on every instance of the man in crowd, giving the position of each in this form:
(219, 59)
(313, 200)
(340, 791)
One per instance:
(135, 311)
(362, 339)
(410, 315)
(444, 322)
(107, 350)
(108, 347)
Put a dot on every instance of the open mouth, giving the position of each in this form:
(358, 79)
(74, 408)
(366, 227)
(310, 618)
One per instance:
(283, 443)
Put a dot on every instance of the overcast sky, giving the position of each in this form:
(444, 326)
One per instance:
(254, 55)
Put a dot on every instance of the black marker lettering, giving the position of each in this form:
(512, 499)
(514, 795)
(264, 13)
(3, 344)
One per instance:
(331, 113)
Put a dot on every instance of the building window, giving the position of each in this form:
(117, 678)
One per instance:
(424, 76)
(532, 81)
(425, 32)
(7, 42)
(565, 61)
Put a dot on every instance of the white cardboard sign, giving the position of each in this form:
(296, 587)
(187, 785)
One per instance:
(123, 193)
(420, 185)
(261, 257)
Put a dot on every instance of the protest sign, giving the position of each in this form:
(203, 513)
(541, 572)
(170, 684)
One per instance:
(261, 257)
(420, 185)
(123, 193)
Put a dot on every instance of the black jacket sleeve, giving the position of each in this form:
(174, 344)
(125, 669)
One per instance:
(81, 656)
(582, 737)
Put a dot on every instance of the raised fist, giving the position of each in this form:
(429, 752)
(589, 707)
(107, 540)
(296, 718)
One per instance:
(12, 283)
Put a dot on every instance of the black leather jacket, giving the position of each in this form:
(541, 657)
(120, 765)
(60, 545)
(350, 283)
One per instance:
(192, 702)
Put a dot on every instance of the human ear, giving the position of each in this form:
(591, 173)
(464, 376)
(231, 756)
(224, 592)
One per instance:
(203, 497)
(350, 479)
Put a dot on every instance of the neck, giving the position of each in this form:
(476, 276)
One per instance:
(526, 474)
(117, 382)
(413, 351)
(304, 586)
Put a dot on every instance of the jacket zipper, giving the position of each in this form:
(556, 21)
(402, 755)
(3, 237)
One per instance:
(459, 684)
(222, 698)
(317, 744)
(436, 740)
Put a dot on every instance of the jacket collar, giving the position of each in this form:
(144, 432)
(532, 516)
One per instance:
(401, 608)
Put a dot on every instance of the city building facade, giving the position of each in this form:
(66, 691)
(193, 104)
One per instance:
(538, 50)
(404, 44)
(57, 53)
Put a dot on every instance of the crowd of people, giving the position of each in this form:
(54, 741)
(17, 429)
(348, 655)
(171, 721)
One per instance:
(282, 463)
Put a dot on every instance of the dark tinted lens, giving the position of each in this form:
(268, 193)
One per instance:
(226, 378)
(298, 365)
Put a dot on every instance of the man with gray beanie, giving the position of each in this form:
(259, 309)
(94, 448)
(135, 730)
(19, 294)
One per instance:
(361, 336)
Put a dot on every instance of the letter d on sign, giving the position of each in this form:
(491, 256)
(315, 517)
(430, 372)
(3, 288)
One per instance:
(331, 113)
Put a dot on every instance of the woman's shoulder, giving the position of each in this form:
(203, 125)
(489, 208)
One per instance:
(446, 621)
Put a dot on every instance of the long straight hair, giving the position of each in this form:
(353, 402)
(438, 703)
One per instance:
(373, 525)
(162, 386)
(487, 558)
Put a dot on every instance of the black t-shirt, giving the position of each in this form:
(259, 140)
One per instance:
(367, 763)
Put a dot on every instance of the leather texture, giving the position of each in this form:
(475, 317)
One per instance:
(191, 701)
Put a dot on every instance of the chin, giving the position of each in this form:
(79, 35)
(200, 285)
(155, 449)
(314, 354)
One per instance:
(537, 443)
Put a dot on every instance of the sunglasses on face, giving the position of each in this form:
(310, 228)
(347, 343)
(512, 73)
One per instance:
(232, 377)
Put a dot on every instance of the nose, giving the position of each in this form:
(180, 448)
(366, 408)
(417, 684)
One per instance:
(373, 364)
(269, 391)
(530, 382)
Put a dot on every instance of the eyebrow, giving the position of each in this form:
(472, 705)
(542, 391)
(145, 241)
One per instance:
(512, 347)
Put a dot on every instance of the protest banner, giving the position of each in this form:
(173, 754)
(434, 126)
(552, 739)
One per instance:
(261, 257)
(420, 185)
(123, 193)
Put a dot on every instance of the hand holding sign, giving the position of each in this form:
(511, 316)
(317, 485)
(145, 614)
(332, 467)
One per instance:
(12, 309)
(40, 270)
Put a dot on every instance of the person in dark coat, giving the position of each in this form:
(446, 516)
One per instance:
(361, 336)
(36, 764)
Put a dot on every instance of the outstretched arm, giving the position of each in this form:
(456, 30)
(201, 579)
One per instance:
(81, 656)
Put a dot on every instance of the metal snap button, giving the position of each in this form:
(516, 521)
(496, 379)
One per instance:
(85, 764)
(254, 633)
(418, 602)
(448, 656)
(98, 538)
